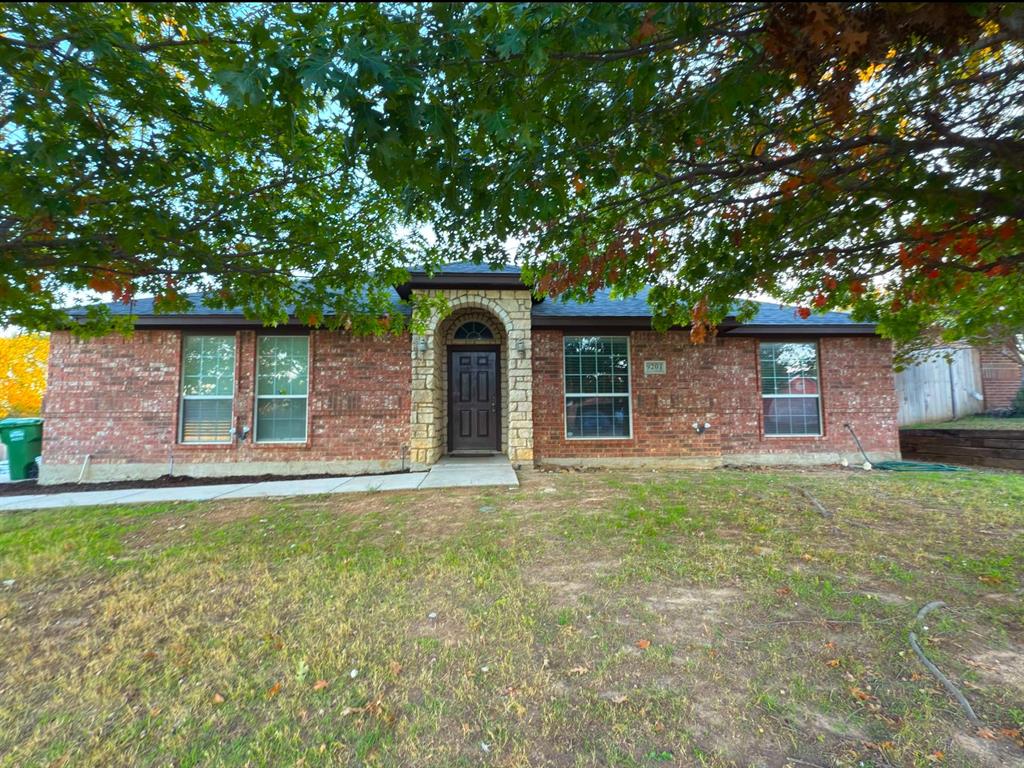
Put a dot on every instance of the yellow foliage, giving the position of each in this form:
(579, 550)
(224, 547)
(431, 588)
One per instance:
(23, 360)
(870, 71)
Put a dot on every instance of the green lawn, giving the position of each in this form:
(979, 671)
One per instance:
(974, 422)
(626, 619)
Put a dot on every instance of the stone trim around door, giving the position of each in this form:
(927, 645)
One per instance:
(507, 313)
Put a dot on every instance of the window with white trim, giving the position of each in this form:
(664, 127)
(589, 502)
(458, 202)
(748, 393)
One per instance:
(597, 403)
(207, 389)
(790, 390)
(282, 388)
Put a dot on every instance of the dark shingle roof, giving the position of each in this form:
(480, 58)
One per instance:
(549, 311)
(471, 268)
(143, 308)
(604, 305)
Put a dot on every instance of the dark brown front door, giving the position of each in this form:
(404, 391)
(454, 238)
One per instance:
(474, 403)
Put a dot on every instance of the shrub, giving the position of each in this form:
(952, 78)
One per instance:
(1018, 402)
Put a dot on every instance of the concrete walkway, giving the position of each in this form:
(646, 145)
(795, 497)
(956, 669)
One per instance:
(449, 472)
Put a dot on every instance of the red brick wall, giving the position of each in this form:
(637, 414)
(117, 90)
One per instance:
(117, 399)
(719, 383)
(112, 397)
(1001, 377)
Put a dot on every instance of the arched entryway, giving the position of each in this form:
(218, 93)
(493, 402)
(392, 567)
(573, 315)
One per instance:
(475, 410)
(472, 381)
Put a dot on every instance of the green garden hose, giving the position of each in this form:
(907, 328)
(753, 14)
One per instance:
(903, 466)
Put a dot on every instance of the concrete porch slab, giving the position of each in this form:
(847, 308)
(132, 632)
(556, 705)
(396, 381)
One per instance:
(471, 471)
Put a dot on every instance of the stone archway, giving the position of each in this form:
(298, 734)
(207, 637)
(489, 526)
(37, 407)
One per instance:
(507, 314)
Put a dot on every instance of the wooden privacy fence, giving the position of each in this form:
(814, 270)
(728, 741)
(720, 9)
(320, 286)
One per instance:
(1002, 448)
(940, 388)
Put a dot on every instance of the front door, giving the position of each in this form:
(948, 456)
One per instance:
(474, 404)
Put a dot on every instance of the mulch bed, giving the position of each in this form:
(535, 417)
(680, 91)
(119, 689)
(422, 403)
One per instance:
(27, 487)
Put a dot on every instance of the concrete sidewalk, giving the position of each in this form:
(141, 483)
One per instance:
(450, 472)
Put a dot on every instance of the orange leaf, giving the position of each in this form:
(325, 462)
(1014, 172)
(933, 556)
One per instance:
(857, 693)
(319, 685)
(395, 668)
(1005, 231)
(646, 30)
(789, 184)
(643, 644)
(274, 690)
(833, 663)
(218, 699)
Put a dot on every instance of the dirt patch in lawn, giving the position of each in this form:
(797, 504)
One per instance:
(1002, 667)
(569, 583)
(687, 612)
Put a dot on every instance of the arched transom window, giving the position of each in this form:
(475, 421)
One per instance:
(473, 331)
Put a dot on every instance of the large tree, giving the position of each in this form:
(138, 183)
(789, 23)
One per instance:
(861, 155)
(163, 148)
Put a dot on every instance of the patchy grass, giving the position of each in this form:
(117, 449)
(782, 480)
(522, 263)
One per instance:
(625, 619)
(975, 422)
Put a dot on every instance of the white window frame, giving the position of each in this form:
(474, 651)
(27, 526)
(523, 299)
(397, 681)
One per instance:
(816, 395)
(182, 397)
(628, 394)
(256, 396)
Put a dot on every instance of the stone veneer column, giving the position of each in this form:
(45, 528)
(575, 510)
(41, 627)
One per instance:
(512, 309)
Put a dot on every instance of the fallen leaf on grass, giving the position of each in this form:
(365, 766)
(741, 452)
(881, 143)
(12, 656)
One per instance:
(880, 746)
(1013, 734)
(861, 694)
(395, 668)
(580, 670)
(783, 591)
(937, 756)
(833, 663)
(319, 685)
(643, 645)
(274, 690)
(374, 708)
(218, 699)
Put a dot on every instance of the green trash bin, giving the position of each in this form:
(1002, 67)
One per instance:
(24, 441)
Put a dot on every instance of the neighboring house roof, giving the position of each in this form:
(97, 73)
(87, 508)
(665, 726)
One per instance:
(603, 310)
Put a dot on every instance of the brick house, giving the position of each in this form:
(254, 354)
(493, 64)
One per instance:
(1002, 376)
(213, 394)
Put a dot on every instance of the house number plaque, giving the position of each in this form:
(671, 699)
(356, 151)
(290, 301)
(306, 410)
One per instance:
(654, 366)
